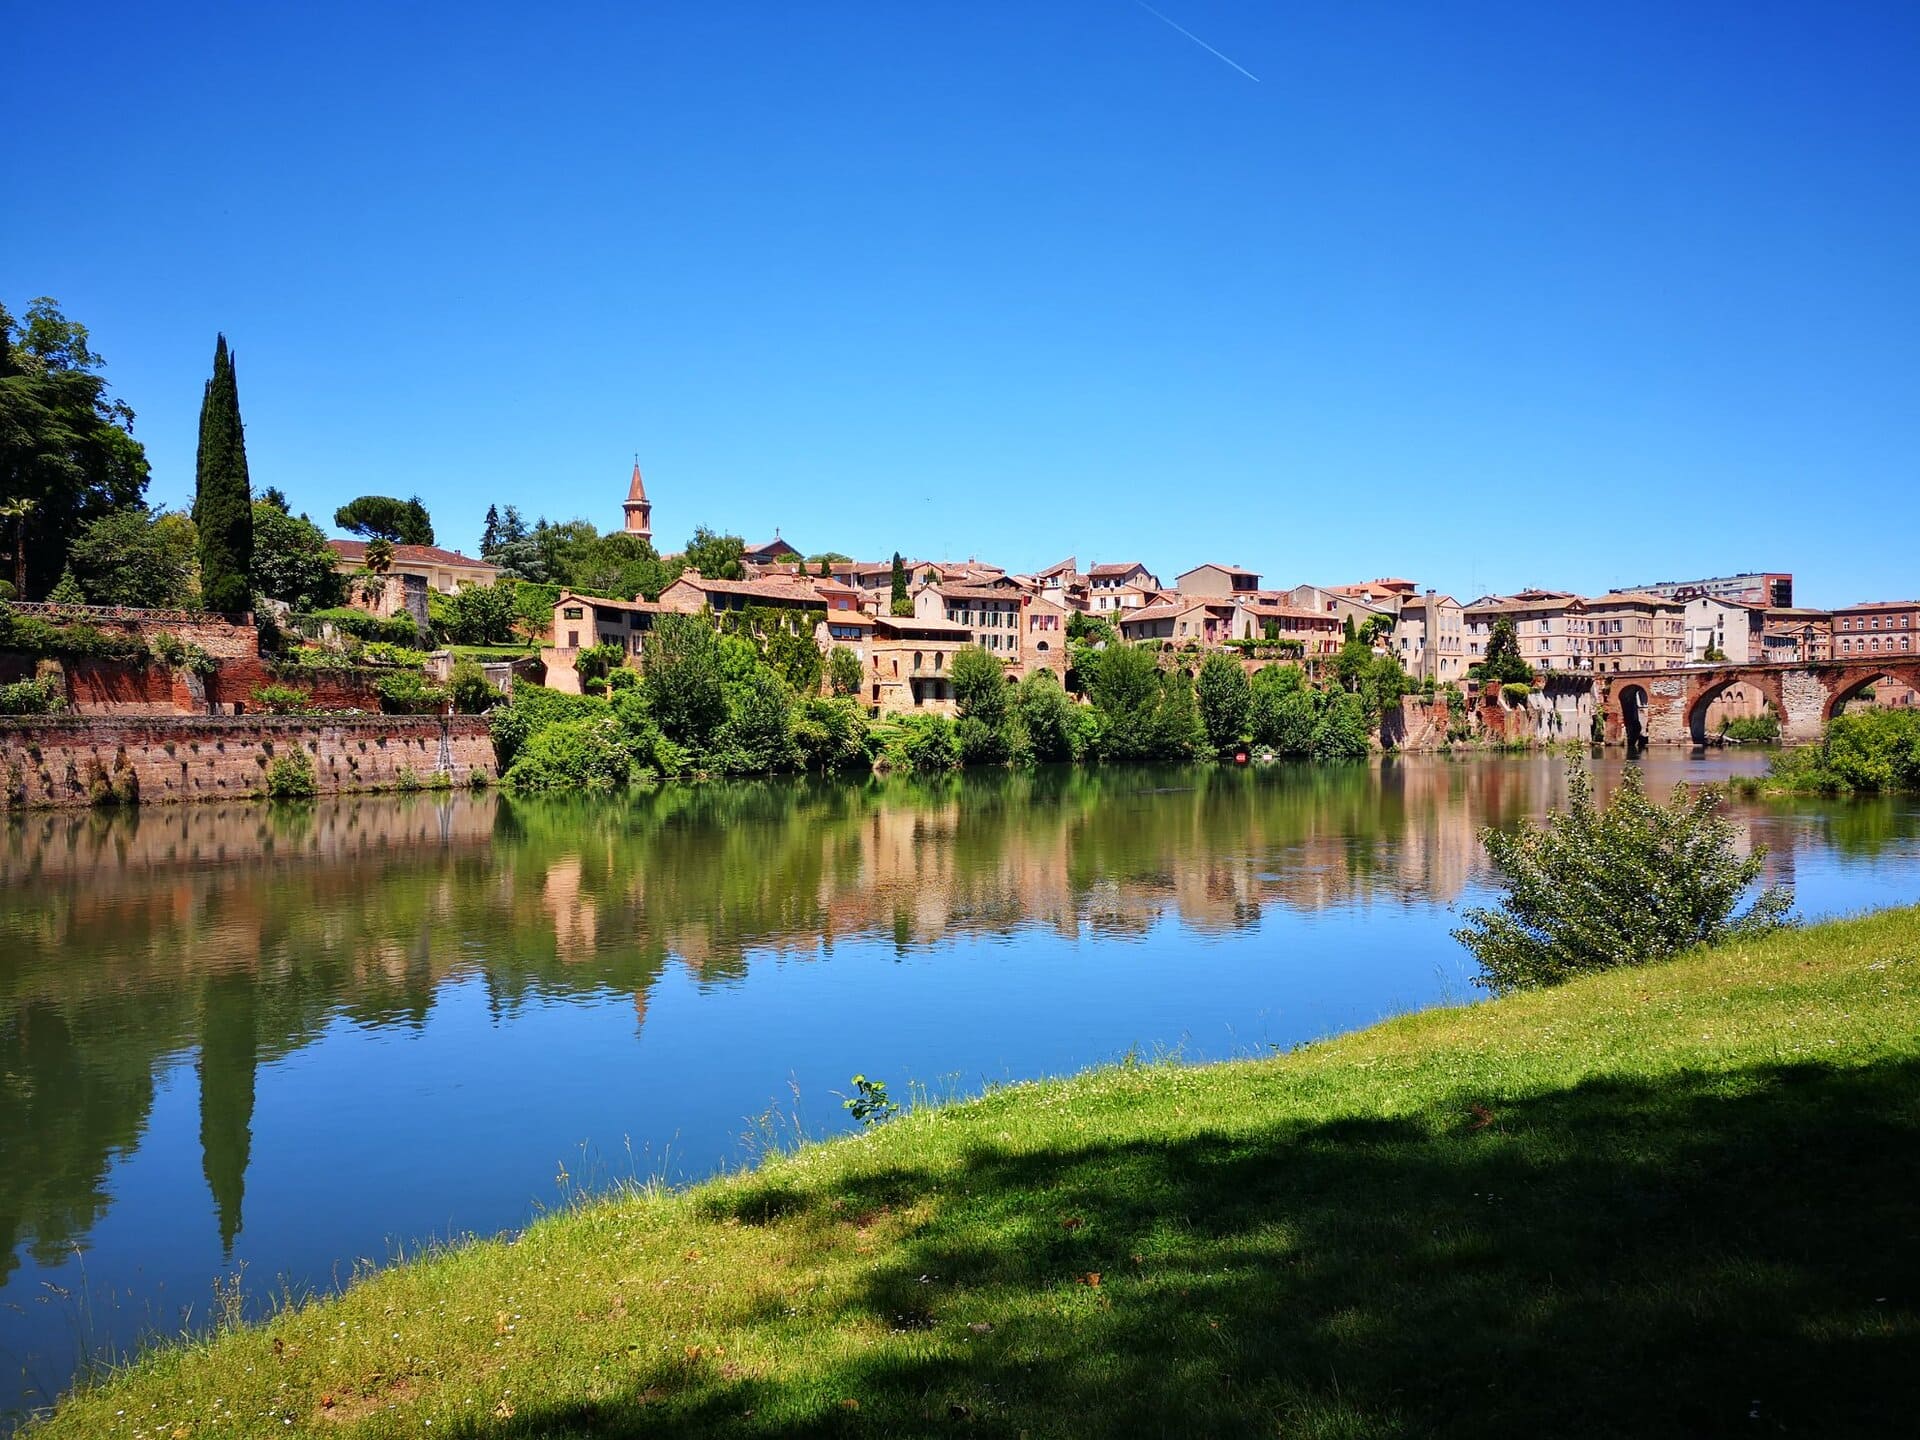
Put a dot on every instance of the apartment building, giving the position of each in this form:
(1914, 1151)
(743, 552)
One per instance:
(1228, 580)
(910, 664)
(1122, 586)
(1879, 627)
(1772, 589)
(991, 615)
(1430, 637)
(1729, 630)
(1798, 635)
(1558, 631)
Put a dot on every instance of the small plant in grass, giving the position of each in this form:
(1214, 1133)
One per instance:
(1594, 887)
(291, 777)
(869, 1103)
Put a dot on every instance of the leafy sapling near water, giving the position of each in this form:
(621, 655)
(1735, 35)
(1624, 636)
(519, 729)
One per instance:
(869, 1103)
(1593, 887)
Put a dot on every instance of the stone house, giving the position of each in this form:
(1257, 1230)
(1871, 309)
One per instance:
(1228, 580)
(445, 570)
(910, 664)
(1430, 638)
(1122, 586)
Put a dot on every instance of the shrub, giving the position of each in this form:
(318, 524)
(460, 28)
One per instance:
(843, 671)
(757, 738)
(531, 709)
(574, 755)
(1516, 693)
(393, 629)
(408, 692)
(1760, 729)
(42, 696)
(1342, 733)
(596, 662)
(926, 743)
(833, 735)
(1867, 752)
(1046, 716)
(1596, 887)
(291, 777)
(623, 679)
(283, 699)
(384, 652)
(472, 695)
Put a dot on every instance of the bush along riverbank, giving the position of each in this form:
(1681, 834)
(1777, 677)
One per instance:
(1869, 752)
(704, 702)
(1668, 1200)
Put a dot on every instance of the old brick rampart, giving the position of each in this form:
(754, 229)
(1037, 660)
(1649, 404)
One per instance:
(62, 760)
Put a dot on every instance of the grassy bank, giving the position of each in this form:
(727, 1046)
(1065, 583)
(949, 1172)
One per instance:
(1683, 1200)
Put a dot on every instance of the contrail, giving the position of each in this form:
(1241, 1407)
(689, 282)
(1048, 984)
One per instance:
(1198, 41)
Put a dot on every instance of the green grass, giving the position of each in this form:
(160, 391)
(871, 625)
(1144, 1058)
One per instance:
(494, 652)
(1682, 1200)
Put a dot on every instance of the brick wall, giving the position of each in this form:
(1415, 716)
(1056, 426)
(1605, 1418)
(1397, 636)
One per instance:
(220, 637)
(64, 761)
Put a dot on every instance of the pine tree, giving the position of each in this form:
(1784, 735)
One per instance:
(223, 495)
(68, 591)
(490, 532)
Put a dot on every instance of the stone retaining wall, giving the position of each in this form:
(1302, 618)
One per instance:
(59, 760)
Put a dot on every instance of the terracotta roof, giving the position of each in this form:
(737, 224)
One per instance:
(1635, 597)
(913, 625)
(1105, 570)
(636, 487)
(1879, 605)
(848, 617)
(788, 590)
(1148, 612)
(1291, 612)
(975, 592)
(355, 551)
(1223, 569)
(1510, 606)
(1062, 567)
(827, 585)
(601, 602)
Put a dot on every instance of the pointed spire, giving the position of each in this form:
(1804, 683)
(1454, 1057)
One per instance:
(638, 510)
(636, 488)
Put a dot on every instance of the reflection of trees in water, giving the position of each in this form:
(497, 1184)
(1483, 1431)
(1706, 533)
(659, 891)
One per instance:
(245, 930)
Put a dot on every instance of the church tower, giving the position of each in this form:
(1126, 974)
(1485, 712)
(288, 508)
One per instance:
(639, 510)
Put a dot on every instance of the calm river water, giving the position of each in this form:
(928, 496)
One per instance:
(284, 1041)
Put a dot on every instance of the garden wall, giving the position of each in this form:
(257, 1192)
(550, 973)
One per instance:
(60, 760)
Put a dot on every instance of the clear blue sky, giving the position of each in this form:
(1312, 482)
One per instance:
(1480, 294)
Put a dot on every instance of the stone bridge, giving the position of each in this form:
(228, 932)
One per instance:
(1670, 706)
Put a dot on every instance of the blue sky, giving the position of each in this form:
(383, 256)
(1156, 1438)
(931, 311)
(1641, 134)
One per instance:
(1482, 294)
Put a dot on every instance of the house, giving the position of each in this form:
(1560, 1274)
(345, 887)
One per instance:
(991, 615)
(1121, 586)
(1217, 580)
(1429, 638)
(1317, 632)
(1208, 623)
(691, 594)
(1730, 630)
(769, 552)
(1343, 603)
(874, 578)
(444, 570)
(910, 664)
(582, 621)
(1043, 635)
(1388, 591)
(1797, 634)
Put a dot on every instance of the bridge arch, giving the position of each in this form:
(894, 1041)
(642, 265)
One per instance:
(1633, 714)
(1848, 686)
(1717, 686)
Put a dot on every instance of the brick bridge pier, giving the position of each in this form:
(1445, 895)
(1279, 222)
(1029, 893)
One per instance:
(1669, 707)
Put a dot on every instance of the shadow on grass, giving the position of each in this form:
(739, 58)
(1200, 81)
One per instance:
(1735, 1254)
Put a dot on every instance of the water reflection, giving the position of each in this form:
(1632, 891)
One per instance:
(228, 938)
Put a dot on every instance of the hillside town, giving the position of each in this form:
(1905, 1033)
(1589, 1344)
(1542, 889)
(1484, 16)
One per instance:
(905, 617)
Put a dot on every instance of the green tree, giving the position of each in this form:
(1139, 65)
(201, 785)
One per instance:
(1627, 883)
(223, 494)
(404, 522)
(716, 557)
(490, 531)
(683, 680)
(898, 596)
(1144, 715)
(67, 452)
(292, 560)
(757, 738)
(1503, 663)
(980, 700)
(1226, 701)
(481, 614)
(1046, 716)
(1342, 732)
(276, 497)
(67, 591)
(136, 557)
(843, 672)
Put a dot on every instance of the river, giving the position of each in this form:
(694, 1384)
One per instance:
(284, 1042)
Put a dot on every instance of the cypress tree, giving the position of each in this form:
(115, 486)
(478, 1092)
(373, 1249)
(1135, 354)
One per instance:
(222, 494)
(899, 578)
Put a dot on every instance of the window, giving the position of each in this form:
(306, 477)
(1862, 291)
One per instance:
(572, 612)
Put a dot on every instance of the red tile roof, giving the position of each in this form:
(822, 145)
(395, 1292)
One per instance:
(355, 552)
(1106, 570)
